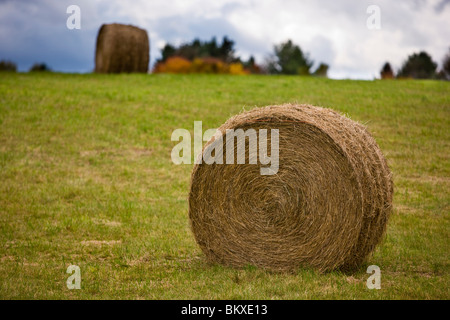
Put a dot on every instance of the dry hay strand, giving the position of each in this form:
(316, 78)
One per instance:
(121, 48)
(326, 208)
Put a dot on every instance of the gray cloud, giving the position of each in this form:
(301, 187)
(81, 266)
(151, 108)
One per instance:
(36, 32)
(321, 50)
(178, 29)
(441, 5)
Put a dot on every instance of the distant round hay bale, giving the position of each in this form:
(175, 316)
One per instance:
(326, 207)
(121, 48)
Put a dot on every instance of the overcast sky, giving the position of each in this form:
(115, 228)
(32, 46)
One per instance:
(331, 31)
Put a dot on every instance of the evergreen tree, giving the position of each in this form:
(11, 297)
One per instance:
(322, 70)
(418, 66)
(386, 72)
(288, 58)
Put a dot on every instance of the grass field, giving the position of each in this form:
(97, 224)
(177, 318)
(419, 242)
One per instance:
(86, 178)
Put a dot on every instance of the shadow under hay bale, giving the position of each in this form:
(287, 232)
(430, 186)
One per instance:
(121, 48)
(326, 207)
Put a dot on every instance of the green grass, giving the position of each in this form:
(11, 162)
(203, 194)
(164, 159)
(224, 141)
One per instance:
(86, 178)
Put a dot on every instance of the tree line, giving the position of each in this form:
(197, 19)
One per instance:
(418, 66)
(198, 56)
(6, 65)
(287, 58)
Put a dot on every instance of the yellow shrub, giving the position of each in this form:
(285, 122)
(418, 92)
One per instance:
(174, 65)
(199, 65)
(237, 68)
(208, 65)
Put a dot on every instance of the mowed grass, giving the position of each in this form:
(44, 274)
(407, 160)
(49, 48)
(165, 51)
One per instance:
(86, 178)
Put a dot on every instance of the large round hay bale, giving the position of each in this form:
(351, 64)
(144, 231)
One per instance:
(121, 48)
(326, 207)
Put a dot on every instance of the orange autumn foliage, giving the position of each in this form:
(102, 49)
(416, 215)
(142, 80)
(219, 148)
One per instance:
(174, 65)
(199, 65)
